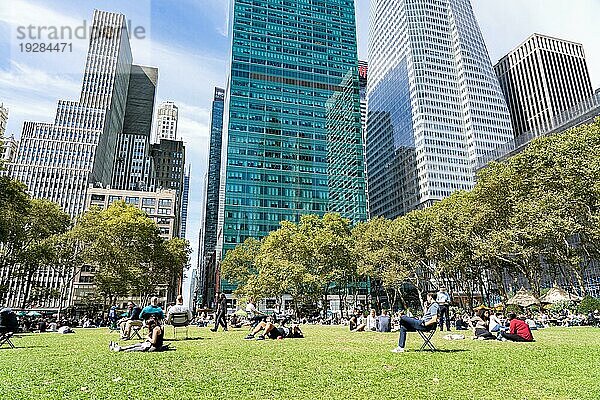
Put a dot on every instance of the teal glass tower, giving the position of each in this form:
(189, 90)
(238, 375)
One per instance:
(292, 141)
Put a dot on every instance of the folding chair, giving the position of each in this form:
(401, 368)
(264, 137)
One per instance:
(179, 320)
(427, 336)
(5, 338)
(135, 331)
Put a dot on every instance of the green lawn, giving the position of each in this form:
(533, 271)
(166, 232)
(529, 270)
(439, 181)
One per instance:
(330, 363)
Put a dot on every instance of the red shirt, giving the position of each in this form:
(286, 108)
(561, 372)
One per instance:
(521, 328)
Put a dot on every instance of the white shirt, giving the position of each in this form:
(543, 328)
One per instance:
(371, 323)
(179, 308)
(251, 310)
(443, 298)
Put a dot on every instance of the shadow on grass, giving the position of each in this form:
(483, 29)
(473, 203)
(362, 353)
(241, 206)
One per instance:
(23, 347)
(185, 340)
(441, 351)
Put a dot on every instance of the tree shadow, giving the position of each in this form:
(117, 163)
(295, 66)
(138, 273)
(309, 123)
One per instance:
(23, 347)
(185, 340)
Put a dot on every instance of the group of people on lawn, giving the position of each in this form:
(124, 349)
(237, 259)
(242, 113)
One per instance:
(152, 316)
(485, 325)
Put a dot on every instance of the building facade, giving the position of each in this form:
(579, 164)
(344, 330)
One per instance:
(169, 165)
(3, 119)
(134, 167)
(57, 161)
(167, 115)
(434, 103)
(208, 243)
(541, 78)
(8, 150)
(292, 104)
(159, 205)
(185, 199)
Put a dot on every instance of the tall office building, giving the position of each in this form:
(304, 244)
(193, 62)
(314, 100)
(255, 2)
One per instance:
(434, 103)
(133, 169)
(541, 78)
(185, 199)
(206, 260)
(168, 157)
(363, 70)
(58, 160)
(166, 121)
(3, 119)
(292, 140)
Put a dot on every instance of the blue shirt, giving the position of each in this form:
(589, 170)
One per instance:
(431, 311)
(151, 310)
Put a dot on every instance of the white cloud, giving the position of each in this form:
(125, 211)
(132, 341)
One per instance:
(27, 78)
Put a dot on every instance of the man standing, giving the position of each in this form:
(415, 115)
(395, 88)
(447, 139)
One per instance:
(443, 300)
(408, 324)
(221, 314)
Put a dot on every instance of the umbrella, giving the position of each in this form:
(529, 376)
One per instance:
(556, 295)
(34, 314)
(481, 307)
(523, 298)
(124, 314)
(21, 313)
(240, 313)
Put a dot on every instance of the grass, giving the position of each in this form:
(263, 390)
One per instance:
(330, 363)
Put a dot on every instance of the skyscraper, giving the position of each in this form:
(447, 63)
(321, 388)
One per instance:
(185, 198)
(211, 204)
(133, 169)
(57, 161)
(541, 78)
(166, 121)
(434, 103)
(292, 134)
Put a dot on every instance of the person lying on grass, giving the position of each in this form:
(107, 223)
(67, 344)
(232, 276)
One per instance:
(154, 341)
(275, 333)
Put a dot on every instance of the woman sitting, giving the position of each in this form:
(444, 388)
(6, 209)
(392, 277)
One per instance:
(481, 324)
(154, 340)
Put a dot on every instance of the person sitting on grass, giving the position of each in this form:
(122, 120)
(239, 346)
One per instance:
(384, 322)
(357, 323)
(153, 310)
(481, 325)
(154, 341)
(428, 322)
(132, 319)
(275, 333)
(518, 330)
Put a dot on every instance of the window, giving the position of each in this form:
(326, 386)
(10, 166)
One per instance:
(112, 199)
(98, 197)
(165, 203)
(132, 200)
(149, 202)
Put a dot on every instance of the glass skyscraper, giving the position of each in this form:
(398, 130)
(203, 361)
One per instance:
(434, 103)
(292, 141)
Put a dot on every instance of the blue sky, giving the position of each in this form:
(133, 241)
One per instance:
(187, 41)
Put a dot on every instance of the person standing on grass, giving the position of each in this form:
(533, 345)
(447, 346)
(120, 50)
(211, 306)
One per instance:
(443, 299)
(428, 322)
(221, 314)
(518, 330)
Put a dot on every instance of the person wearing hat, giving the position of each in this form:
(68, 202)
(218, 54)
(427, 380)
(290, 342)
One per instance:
(443, 300)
